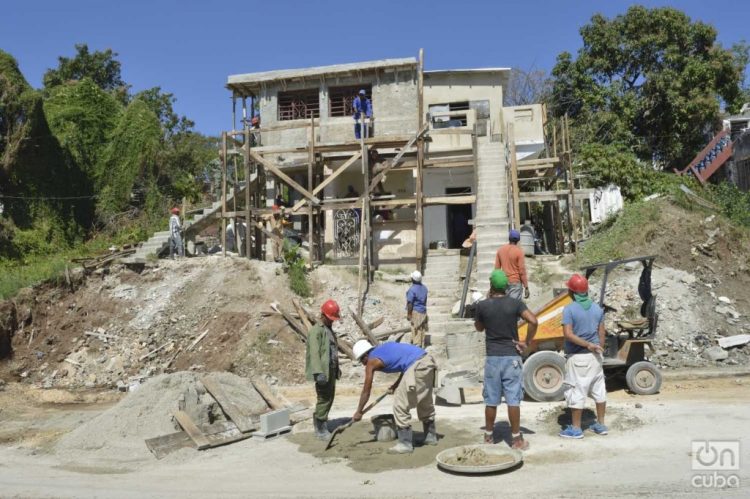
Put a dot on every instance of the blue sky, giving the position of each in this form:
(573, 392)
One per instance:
(189, 47)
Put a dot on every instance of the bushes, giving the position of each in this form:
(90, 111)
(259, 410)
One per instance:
(734, 203)
(294, 265)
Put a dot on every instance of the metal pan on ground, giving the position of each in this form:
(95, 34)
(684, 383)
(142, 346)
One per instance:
(478, 459)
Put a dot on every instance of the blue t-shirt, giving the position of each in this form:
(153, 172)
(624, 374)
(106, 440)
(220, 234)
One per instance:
(585, 325)
(417, 296)
(397, 357)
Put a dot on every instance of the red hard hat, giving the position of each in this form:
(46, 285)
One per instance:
(578, 284)
(175, 210)
(331, 310)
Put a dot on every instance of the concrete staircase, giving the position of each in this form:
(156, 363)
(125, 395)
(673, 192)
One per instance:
(491, 220)
(441, 276)
(159, 242)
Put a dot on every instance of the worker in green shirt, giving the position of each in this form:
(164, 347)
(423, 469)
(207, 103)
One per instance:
(322, 365)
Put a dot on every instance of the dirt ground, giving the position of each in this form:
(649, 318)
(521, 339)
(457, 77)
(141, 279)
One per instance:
(646, 454)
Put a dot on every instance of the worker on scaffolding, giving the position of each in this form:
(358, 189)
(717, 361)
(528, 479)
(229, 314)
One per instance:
(361, 105)
(175, 235)
(277, 222)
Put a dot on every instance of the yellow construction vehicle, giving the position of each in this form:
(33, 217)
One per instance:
(624, 351)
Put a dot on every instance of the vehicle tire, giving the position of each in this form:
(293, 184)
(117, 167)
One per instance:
(543, 375)
(643, 378)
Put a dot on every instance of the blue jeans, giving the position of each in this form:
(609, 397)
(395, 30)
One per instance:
(503, 377)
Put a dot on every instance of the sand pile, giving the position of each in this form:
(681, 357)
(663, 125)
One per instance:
(118, 434)
(474, 456)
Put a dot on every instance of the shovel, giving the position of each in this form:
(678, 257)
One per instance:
(343, 427)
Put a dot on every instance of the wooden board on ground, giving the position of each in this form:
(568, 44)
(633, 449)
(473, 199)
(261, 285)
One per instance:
(195, 433)
(229, 405)
(219, 433)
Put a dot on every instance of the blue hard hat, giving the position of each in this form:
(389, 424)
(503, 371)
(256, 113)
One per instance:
(514, 235)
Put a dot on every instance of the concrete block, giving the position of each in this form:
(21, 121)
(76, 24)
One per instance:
(273, 423)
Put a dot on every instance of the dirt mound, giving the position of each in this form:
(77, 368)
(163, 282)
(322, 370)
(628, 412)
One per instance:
(701, 279)
(118, 434)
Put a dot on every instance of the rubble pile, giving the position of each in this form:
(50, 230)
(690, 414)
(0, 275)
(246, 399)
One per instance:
(693, 320)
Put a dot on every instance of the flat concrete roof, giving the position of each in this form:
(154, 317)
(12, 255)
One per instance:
(468, 70)
(252, 79)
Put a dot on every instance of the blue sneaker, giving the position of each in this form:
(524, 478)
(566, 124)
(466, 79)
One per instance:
(599, 428)
(571, 432)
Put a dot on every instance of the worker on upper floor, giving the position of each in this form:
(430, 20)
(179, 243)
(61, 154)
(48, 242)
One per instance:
(416, 308)
(511, 260)
(361, 105)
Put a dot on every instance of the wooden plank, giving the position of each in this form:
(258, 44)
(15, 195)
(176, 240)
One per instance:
(329, 179)
(433, 200)
(397, 159)
(195, 433)
(385, 334)
(241, 419)
(301, 314)
(539, 163)
(451, 131)
(283, 176)
(420, 165)
(538, 196)
(296, 326)
(197, 340)
(514, 177)
(535, 168)
(265, 391)
(363, 326)
(219, 433)
(376, 323)
(223, 192)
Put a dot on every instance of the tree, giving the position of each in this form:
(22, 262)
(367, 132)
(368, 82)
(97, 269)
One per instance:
(650, 81)
(525, 87)
(161, 103)
(102, 67)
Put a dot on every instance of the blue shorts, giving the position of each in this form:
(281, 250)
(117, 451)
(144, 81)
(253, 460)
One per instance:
(503, 377)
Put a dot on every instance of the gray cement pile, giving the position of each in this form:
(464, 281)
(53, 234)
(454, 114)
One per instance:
(117, 435)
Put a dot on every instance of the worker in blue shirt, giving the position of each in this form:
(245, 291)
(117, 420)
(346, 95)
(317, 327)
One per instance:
(416, 309)
(361, 105)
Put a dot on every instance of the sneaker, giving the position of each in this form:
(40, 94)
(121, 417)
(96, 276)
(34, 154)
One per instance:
(571, 432)
(519, 443)
(599, 428)
(488, 438)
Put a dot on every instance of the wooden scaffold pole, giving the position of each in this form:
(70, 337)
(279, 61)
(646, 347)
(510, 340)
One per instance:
(223, 193)
(420, 162)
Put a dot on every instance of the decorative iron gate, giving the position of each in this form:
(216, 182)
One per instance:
(346, 224)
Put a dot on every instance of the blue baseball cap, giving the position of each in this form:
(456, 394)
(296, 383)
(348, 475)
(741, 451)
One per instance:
(514, 235)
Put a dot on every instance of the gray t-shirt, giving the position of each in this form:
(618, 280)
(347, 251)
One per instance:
(500, 315)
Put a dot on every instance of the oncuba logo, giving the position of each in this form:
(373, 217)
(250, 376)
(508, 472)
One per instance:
(717, 457)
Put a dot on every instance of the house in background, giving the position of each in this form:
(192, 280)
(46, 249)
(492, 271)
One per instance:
(306, 124)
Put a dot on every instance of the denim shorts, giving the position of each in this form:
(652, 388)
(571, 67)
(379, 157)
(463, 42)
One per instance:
(503, 377)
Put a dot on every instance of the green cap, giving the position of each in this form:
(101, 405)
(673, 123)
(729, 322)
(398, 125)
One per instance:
(498, 280)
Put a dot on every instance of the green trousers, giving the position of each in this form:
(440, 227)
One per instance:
(325, 393)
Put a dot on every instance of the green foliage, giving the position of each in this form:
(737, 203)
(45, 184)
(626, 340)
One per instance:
(294, 265)
(101, 67)
(82, 117)
(161, 103)
(605, 164)
(734, 203)
(630, 228)
(649, 80)
(129, 159)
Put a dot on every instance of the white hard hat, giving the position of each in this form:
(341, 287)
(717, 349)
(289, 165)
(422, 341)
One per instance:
(361, 347)
(416, 276)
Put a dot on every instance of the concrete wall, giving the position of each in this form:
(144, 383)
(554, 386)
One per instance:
(395, 241)
(447, 87)
(435, 182)
(394, 101)
(528, 128)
